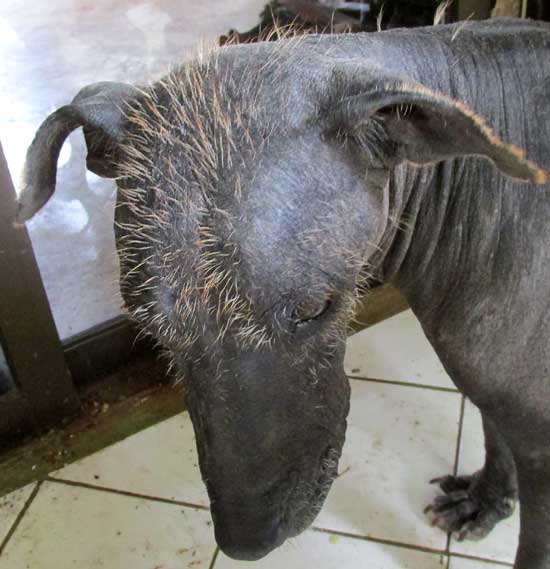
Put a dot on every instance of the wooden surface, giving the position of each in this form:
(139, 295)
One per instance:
(380, 303)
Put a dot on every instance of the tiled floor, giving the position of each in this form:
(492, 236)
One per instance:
(141, 504)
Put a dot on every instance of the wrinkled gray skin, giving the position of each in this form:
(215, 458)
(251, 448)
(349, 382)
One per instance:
(461, 236)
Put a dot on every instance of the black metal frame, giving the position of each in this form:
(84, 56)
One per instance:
(44, 390)
(100, 350)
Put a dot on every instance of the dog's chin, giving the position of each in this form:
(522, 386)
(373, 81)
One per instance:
(256, 544)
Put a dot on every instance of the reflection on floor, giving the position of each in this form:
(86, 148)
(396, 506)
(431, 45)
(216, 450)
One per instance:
(49, 50)
(141, 504)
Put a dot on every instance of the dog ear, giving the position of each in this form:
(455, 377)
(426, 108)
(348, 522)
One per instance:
(98, 108)
(396, 120)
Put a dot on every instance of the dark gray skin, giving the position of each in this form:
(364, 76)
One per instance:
(346, 160)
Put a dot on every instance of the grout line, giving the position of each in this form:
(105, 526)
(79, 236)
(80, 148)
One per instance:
(19, 517)
(459, 435)
(381, 541)
(409, 546)
(485, 560)
(455, 467)
(214, 558)
(126, 493)
(405, 384)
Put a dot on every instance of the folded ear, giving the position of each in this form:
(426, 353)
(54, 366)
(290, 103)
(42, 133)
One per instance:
(100, 109)
(397, 120)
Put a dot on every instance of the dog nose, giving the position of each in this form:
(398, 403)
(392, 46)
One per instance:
(245, 534)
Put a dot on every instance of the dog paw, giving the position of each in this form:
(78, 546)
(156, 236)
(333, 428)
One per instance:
(464, 511)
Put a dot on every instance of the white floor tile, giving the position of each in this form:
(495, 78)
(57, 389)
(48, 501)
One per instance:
(502, 542)
(461, 563)
(68, 526)
(10, 506)
(395, 349)
(398, 439)
(324, 551)
(160, 461)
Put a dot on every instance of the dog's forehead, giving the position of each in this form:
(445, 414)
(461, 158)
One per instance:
(212, 198)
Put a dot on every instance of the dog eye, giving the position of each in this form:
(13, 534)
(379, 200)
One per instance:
(310, 309)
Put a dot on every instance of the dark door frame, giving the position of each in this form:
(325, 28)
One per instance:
(44, 391)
